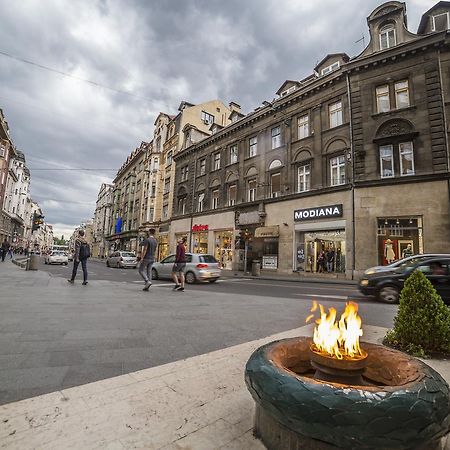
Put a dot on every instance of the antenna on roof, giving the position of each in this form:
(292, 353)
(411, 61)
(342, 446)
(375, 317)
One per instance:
(363, 41)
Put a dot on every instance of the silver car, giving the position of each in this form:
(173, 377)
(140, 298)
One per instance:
(199, 267)
(122, 259)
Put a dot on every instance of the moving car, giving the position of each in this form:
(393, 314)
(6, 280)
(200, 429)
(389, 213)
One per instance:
(56, 257)
(393, 266)
(386, 286)
(199, 267)
(122, 259)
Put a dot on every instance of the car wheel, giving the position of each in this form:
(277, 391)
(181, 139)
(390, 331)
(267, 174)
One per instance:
(213, 281)
(388, 294)
(155, 274)
(190, 278)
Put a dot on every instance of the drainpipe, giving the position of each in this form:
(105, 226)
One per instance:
(192, 205)
(352, 183)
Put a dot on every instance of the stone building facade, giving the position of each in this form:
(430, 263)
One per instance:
(347, 162)
(102, 221)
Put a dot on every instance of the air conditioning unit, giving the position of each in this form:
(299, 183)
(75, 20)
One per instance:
(206, 121)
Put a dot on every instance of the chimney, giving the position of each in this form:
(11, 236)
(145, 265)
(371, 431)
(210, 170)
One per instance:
(234, 107)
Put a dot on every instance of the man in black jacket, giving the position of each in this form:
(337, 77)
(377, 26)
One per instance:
(82, 253)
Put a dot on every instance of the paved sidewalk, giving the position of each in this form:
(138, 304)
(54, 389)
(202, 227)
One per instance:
(197, 403)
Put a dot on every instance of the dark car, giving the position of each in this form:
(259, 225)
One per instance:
(386, 286)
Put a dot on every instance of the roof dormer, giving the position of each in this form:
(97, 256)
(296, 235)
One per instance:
(435, 19)
(387, 28)
(330, 63)
(287, 87)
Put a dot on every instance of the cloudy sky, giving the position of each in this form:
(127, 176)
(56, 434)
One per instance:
(144, 57)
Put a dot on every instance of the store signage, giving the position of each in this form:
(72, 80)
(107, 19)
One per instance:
(262, 232)
(247, 218)
(270, 262)
(197, 228)
(321, 212)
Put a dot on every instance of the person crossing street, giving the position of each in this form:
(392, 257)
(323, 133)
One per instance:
(148, 258)
(180, 265)
(82, 253)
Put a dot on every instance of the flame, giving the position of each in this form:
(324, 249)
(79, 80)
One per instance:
(338, 339)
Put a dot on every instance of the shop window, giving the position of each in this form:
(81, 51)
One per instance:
(215, 199)
(253, 146)
(401, 94)
(335, 114)
(200, 242)
(200, 202)
(337, 168)
(276, 137)
(275, 185)
(387, 37)
(232, 194)
(383, 103)
(223, 251)
(233, 154)
(303, 126)
(251, 190)
(304, 178)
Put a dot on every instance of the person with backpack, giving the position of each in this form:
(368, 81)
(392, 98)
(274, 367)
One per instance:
(81, 254)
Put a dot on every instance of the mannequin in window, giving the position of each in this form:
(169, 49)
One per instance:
(389, 253)
(407, 251)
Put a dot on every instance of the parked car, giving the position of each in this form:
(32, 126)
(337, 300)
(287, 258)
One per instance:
(56, 257)
(386, 286)
(70, 256)
(122, 259)
(199, 267)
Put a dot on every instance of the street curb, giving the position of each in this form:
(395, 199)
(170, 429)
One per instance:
(293, 280)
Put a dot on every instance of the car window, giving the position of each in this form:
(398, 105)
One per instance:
(207, 259)
(434, 267)
(128, 254)
(169, 260)
(188, 258)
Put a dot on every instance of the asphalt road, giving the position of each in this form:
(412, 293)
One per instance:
(55, 335)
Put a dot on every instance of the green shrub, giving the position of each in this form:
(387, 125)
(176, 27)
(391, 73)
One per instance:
(422, 324)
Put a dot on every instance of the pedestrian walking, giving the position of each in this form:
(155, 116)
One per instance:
(148, 258)
(82, 253)
(179, 266)
(330, 259)
(5, 248)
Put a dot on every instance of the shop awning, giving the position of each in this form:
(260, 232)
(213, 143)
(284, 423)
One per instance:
(262, 232)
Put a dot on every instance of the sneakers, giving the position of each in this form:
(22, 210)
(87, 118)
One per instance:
(180, 289)
(84, 283)
(175, 288)
(70, 280)
(147, 285)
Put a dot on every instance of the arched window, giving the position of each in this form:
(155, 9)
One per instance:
(275, 164)
(387, 37)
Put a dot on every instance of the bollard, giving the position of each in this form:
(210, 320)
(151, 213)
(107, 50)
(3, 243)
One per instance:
(33, 263)
(256, 268)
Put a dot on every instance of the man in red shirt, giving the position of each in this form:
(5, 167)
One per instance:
(179, 266)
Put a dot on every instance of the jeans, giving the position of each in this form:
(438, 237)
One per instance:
(83, 266)
(329, 266)
(145, 270)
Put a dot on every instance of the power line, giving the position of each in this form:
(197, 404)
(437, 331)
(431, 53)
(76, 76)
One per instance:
(71, 169)
(65, 74)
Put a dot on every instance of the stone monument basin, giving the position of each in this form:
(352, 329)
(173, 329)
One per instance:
(399, 402)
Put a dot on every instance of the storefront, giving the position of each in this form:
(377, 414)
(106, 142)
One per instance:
(320, 240)
(266, 246)
(163, 242)
(398, 237)
(200, 238)
(223, 250)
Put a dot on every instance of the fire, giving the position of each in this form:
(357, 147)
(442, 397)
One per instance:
(338, 339)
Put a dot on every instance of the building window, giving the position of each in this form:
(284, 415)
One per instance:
(251, 190)
(401, 94)
(276, 137)
(202, 168)
(165, 212)
(153, 190)
(288, 91)
(329, 69)
(216, 161)
(200, 202)
(184, 173)
(275, 185)
(166, 185)
(337, 167)
(303, 126)
(440, 22)
(253, 146)
(2, 151)
(182, 205)
(406, 158)
(232, 192)
(207, 118)
(169, 158)
(383, 103)
(215, 199)
(304, 178)
(386, 161)
(387, 37)
(335, 112)
(233, 154)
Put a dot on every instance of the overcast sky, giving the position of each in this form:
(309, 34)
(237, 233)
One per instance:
(161, 52)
